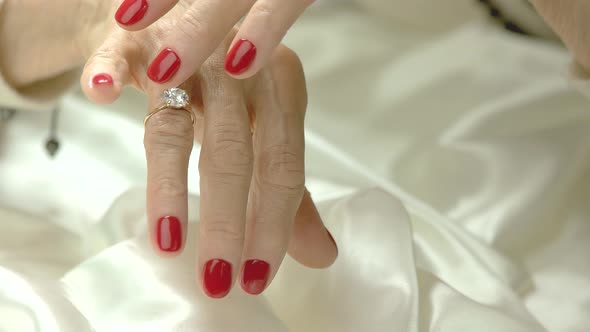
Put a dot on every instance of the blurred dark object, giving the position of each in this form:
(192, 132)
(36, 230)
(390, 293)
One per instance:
(6, 114)
(497, 15)
(52, 146)
(52, 143)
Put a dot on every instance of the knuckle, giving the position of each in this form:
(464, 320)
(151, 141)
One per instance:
(228, 151)
(262, 10)
(169, 129)
(285, 78)
(170, 187)
(105, 55)
(286, 59)
(222, 91)
(192, 25)
(222, 229)
(280, 168)
(213, 70)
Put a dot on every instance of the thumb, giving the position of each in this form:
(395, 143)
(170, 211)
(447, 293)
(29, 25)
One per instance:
(312, 244)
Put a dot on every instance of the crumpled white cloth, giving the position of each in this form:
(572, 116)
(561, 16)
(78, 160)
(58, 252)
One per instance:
(451, 168)
(381, 281)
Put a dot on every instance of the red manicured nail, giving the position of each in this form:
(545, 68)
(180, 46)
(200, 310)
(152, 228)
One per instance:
(169, 234)
(102, 79)
(131, 11)
(217, 278)
(240, 57)
(255, 276)
(164, 66)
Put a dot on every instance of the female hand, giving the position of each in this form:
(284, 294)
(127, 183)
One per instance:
(254, 207)
(202, 26)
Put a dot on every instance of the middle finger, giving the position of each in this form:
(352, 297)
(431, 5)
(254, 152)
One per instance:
(226, 169)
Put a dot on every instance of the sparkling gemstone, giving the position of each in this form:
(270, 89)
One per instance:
(175, 97)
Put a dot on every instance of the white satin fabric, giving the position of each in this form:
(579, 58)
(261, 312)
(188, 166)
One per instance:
(451, 167)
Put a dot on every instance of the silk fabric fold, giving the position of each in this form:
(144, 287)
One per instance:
(451, 168)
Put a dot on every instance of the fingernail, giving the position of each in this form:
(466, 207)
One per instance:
(169, 234)
(255, 276)
(102, 79)
(131, 11)
(217, 278)
(240, 57)
(164, 66)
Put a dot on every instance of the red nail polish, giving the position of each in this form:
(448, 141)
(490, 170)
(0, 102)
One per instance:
(255, 276)
(131, 11)
(217, 278)
(169, 234)
(240, 57)
(164, 66)
(102, 79)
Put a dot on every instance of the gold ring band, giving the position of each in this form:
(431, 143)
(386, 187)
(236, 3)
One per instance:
(163, 107)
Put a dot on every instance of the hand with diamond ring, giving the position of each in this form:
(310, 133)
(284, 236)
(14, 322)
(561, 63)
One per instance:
(254, 205)
(203, 25)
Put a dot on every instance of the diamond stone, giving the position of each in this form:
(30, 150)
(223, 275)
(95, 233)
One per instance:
(175, 97)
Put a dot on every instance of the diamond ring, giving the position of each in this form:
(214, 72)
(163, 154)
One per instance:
(173, 98)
